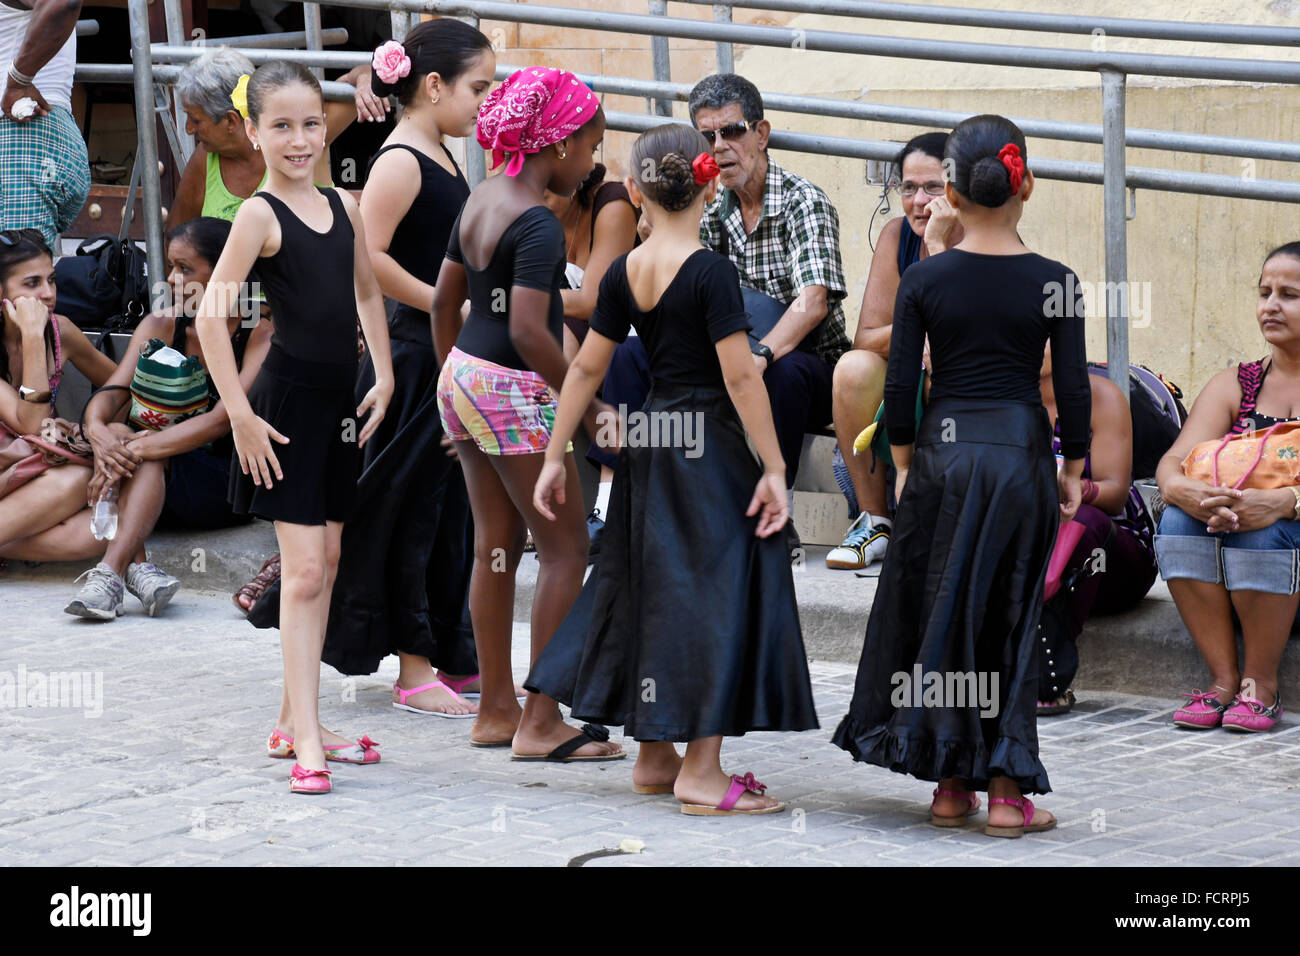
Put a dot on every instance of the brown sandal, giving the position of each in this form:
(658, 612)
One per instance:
(255, 588)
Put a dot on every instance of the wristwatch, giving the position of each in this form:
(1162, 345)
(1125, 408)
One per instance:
(758, 348)
(33, 396)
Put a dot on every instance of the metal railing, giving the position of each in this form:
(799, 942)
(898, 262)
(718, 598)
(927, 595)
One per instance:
(1113, 173)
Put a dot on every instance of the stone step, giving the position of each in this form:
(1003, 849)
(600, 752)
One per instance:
(1143, 651)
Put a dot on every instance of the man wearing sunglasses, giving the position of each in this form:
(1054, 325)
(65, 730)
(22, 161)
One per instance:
(44, 170)
(783, 235)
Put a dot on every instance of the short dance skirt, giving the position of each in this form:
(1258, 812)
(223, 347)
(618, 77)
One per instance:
(948, 681)
(504, 411)
(688, 626)
(311, 404)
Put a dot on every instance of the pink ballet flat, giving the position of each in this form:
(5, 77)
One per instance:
(363, 751)
(1026, 808)
(302, 780)
(401, 703)
(727, 805)
(973, 806)
(1247, 715)
(1203, 713)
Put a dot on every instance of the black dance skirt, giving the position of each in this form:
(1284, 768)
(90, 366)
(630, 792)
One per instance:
(948, 681)
(687, 627)
(404, 567)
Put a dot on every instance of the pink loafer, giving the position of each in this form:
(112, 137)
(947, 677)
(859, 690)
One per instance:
(727, 805)
(1247, 715)
(363, 751)
(973, 806)
(302, 780)
(1205, 711)
(1026, 808)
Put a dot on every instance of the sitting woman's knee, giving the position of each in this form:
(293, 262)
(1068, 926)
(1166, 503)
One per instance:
(858, 369)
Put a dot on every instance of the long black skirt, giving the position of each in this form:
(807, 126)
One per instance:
(404, 567)
(687, 627)
(948, 680)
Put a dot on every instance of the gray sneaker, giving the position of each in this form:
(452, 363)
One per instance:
(100, 597)
(154, 588)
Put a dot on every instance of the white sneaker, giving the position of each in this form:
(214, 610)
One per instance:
(866, 542)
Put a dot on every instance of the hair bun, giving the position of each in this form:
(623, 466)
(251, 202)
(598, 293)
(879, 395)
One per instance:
(676, 184)
(990, 182)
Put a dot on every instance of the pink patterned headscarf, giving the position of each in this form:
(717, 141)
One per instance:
(532, 109)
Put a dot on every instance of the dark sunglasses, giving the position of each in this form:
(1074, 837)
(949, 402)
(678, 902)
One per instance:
(11, 237)
(729, 132)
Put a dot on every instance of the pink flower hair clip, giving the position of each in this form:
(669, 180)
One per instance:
(391, 62)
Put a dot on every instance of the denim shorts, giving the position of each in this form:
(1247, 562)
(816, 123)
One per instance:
(1267, 559)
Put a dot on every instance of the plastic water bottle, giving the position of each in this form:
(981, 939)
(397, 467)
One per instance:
(103, 523)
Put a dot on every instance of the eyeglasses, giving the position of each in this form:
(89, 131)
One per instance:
(910, 189)
(729, 132)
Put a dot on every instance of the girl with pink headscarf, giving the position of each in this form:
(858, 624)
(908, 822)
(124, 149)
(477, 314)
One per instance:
(501, 375)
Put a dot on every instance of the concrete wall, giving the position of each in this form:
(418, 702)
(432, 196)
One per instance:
(1198, 258)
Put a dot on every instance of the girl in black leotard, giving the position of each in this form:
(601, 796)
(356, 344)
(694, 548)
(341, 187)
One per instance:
(948, 681)
(403, 584)
(296, 432)
(501, 374)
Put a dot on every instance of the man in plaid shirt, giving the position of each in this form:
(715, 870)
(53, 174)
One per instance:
(783, 235)
(44, 172)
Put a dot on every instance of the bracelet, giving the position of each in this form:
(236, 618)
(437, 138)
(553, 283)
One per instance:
(33, 396)
(19, 78)
(1295, 515)
(1090, 491)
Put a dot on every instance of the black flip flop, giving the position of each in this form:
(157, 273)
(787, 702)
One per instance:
(590, 733)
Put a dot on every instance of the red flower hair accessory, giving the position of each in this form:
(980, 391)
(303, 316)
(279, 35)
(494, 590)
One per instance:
(1010, 157)
(704, 167)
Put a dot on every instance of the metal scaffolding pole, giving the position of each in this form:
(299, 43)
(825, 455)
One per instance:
(146, 154)
(726, 56)
(1116, 228)
(175, 19)
(311, 21)
(660, 57)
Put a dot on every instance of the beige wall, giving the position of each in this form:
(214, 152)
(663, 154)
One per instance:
(1197, 257)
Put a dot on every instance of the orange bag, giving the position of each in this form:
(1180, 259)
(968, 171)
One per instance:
(1258, 459)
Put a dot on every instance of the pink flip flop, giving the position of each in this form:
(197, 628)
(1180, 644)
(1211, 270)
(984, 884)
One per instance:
(401, 703)
(456, 685)
(726, 806)
(1026, 808)
(973, 806)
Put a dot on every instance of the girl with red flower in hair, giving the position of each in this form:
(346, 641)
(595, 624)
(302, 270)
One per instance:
(687, 630)
(502, 369)
(948, 682)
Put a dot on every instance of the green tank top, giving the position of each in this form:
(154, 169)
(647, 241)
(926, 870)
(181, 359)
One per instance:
(219, 201)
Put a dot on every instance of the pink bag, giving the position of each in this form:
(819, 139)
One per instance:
(1067, 539)
(23, 457)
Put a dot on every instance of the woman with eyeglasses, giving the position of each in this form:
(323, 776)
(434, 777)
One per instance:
(927, 227)
(36, 345)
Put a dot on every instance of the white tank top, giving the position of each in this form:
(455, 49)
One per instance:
(54, 80)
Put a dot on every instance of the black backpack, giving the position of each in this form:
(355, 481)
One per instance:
(1158, 416)
(105, 286)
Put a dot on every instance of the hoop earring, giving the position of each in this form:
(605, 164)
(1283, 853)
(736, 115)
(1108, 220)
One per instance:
(256, 146)
(434, 100)
(560, 151)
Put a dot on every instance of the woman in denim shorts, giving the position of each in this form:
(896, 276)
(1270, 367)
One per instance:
(1222, 549)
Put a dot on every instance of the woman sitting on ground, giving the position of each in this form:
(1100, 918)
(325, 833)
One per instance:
(165, 442)
(1224, 550)
(34, 345)
(1114, 563)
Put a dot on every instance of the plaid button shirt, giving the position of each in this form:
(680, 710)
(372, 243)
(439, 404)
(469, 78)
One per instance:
(795, 244)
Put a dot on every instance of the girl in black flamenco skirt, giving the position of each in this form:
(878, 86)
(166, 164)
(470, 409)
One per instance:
(946, 688)
(687, 629)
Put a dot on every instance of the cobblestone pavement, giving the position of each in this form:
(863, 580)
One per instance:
(163, 763)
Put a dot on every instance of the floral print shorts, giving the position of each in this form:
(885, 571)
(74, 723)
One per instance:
(505, 411)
